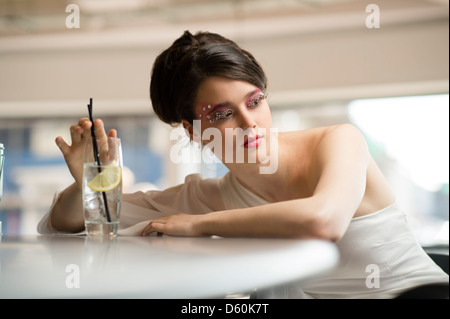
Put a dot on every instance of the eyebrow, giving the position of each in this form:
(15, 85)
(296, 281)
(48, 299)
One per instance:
(226, 103)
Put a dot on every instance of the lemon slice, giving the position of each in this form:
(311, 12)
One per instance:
(107, 179)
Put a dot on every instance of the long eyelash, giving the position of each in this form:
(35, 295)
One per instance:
(221, 115)
(255, 101)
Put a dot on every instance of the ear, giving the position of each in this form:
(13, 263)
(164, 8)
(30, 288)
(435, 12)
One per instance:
(193, 130)
(189, 128)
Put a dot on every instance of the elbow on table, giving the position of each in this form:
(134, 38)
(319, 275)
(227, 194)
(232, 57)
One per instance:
(322, 226)
(328, 229)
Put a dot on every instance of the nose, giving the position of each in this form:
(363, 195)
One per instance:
(246, 120)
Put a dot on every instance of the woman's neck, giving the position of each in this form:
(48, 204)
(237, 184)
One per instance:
(272, 187)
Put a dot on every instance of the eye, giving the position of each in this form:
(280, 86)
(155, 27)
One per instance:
(221, 115)
(254, 102)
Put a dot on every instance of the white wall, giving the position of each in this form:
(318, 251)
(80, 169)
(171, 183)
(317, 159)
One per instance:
(311, 59)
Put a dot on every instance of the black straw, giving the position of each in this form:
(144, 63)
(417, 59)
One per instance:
(97, 159)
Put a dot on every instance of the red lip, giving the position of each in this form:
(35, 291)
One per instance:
(252, 141)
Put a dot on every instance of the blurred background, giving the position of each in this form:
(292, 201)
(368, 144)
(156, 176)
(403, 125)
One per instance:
(328, 62)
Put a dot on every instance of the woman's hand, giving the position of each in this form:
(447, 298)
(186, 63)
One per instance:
(80, 134)
(174, 225)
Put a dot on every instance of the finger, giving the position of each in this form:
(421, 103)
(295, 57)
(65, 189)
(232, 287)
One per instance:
(146, 230)
(62, 145)
(102, 141)
(75, 133)
(151, 228)
(99, 129)
(112, 133)
(158, 228)
(84, 122)
(113, 146)
(86, 125)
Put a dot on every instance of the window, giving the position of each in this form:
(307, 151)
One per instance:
(409, 139)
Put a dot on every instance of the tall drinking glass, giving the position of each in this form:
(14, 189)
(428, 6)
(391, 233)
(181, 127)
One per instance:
(102, 187)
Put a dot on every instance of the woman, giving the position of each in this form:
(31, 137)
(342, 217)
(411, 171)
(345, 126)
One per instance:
(325, 185)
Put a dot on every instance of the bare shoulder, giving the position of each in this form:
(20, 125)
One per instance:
(336, 144)
(345, 129)
(342, 130)
(314, 136)
(342, 141)
(330, 148)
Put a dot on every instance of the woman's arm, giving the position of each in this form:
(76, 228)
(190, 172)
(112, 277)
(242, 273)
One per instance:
(341, 161)
(67, 213)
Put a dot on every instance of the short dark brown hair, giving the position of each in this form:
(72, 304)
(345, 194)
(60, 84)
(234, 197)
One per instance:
(179, 71)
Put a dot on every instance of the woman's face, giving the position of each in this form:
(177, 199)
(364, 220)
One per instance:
(235, 119)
